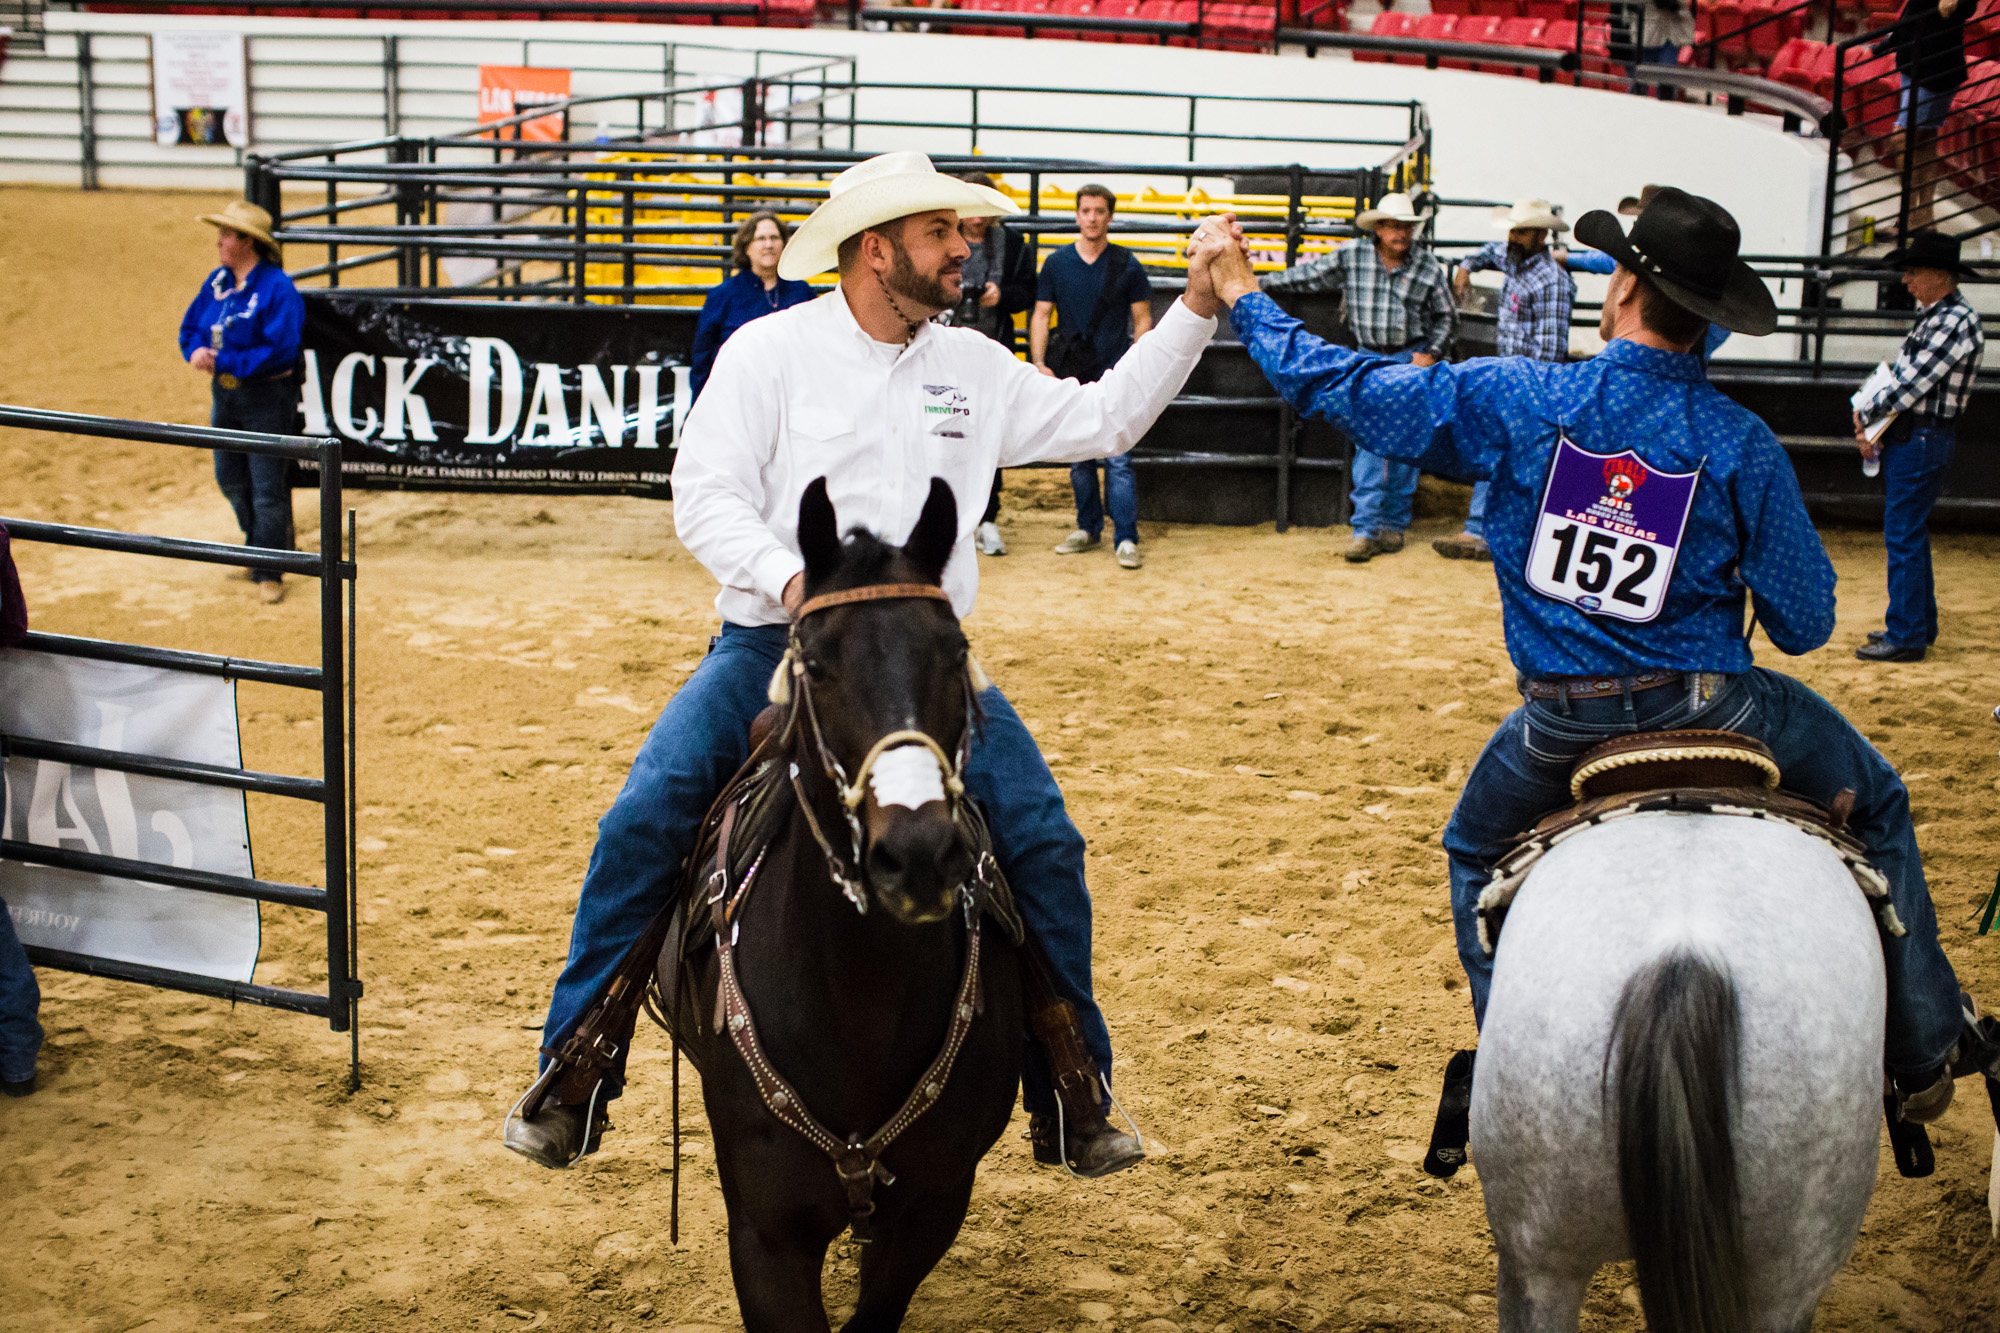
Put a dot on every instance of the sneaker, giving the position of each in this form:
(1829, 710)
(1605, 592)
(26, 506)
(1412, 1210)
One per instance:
(989, 539)
(1463, 546)
(1078, 542)
(1128, 555)
(272, 592)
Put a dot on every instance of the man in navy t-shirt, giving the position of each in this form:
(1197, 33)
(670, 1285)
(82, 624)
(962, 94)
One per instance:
(1102, 303)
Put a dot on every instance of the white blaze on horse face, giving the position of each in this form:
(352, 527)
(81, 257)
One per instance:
(908, 776)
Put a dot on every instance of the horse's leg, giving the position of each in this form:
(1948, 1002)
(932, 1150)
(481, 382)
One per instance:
(894, 1264)
(777, 1282)
(1538, 1301)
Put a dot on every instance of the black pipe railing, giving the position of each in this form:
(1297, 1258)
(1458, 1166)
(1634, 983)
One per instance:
(332, 680)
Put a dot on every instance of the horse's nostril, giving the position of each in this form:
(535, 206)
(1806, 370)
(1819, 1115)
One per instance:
(883, 862)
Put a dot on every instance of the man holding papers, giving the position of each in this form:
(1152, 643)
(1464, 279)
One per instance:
(1924, 392)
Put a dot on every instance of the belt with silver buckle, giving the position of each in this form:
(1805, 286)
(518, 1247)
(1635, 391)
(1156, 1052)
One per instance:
(233, 382)
(1598, 687)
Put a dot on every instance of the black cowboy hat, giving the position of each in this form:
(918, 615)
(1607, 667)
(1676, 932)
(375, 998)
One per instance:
(1687, 247)
(1928, 249)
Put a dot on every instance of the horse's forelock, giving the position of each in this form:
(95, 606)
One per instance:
(866, 559)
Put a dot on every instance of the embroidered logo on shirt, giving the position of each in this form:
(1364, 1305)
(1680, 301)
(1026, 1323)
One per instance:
(949, 413)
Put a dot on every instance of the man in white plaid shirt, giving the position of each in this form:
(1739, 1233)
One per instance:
(1399, 305)
(1926, 392)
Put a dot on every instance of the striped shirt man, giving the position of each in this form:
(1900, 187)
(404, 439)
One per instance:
(1933, 373)
(1405, 308)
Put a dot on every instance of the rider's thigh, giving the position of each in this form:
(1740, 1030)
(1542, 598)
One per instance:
(1819, 751)
(1008, 775)
(1512, 784)
(703, 734)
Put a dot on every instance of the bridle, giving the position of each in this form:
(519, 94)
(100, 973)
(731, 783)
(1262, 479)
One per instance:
(792, 684)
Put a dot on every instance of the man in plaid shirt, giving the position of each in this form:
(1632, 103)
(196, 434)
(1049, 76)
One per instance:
(1926, 392)
(1535, 303)
(1399, 304)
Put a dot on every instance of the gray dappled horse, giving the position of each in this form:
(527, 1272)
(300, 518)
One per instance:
(1681, 1063)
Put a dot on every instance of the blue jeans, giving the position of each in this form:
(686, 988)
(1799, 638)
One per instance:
(257, 487)
(1475, 516)
(1523, 774)
(1383, 488)
(20, 998)
(703, 737)
(1121, 489)
(1912, 471)
(1933, 105)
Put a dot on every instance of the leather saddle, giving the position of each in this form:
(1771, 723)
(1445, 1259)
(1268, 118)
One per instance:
(1689, 772)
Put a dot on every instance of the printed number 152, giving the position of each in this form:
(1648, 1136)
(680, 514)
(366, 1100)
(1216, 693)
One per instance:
(1598, 560)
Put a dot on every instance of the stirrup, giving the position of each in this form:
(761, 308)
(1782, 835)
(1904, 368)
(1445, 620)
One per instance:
(1062, 1127)
(593, 1137)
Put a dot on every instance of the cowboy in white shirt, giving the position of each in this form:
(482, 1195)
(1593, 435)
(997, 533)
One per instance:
(858, 387)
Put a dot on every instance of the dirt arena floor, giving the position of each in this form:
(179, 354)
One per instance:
(1260, 742)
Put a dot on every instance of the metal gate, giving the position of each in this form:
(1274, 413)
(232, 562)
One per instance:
(332, 678)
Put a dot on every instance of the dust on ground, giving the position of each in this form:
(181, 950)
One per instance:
(1259, 741)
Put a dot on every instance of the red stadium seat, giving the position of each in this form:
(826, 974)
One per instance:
(1549, 11)
(1072, 9)
(1519, 32)
(1388, 23)
(1793, 63)
(1114, 9)
(1499, 9)
(1433, 28)
(1870, 96)
(1482, 28)
(1451, 6)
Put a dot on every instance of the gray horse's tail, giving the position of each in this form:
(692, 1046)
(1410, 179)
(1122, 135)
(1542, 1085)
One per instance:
(1670, 1085)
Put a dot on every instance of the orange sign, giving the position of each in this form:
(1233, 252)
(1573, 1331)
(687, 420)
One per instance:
(507, 90)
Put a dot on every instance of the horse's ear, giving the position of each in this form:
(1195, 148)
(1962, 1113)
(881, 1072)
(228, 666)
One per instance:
(930, 543)
(819, 531)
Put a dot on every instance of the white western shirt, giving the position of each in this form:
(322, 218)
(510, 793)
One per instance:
(807, 393)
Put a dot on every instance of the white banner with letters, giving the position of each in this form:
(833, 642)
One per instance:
(141, 710)
(201, 89)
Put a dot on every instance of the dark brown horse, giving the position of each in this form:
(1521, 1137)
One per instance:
(854, 996)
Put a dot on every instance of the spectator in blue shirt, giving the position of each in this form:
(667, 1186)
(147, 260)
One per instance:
(20, 997)
(1634, 509)
(242, 331)
(1090, 286)
(752, 291)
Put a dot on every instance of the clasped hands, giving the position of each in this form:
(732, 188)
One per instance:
(1219, 272)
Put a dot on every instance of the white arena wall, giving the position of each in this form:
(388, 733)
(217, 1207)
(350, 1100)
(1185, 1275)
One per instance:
(1494, 137)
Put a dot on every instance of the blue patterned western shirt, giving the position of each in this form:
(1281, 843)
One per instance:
(1500, 417)
(1389, 309)
(1534, 304)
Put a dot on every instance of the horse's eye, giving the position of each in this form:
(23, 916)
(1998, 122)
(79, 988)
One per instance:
(816, 668)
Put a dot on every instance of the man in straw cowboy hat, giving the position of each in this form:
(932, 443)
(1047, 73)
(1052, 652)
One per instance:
(1398, 305)
(860, 387)
(242, 331)
(1632, 507)
(1535, 300)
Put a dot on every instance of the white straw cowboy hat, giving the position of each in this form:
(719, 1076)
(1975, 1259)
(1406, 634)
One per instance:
(1535, 214)
(884, 188)
(1392, 208)
(244, 216)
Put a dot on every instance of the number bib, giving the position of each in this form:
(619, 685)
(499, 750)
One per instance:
(1608, 532)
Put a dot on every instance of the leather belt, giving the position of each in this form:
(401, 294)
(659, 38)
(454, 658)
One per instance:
(232, 382)
(1598, 687)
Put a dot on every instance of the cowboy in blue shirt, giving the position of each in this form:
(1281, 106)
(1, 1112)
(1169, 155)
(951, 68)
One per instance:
(1634, 619)
(242, 330)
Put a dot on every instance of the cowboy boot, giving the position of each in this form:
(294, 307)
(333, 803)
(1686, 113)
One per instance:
(557, 1134)
(1977, 1051)
(1079, 1135)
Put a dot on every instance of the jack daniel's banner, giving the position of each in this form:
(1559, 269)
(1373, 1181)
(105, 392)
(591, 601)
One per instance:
(496, 395)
